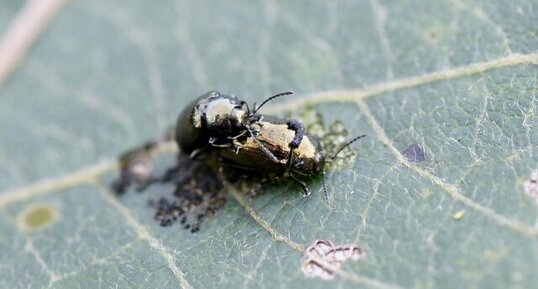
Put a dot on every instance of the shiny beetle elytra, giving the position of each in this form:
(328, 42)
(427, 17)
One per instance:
(250, 141)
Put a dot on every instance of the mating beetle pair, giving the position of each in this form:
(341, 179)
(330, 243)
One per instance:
(250, 141)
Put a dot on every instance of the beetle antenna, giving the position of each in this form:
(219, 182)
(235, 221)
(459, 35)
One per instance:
(346, 145)
(269, 99)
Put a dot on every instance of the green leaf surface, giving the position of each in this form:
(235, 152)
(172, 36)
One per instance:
(458, 78)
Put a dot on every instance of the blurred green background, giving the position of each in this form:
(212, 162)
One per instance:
(459, 78)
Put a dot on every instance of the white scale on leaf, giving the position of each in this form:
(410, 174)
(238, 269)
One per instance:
(324, 259)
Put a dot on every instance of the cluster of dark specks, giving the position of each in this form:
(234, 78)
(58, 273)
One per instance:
(188, 211)
(168, 212)
(197, 195)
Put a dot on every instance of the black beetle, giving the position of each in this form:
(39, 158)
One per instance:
(208, 120)
(250, 141)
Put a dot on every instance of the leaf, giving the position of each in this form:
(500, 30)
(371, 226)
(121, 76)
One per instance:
(456, 78)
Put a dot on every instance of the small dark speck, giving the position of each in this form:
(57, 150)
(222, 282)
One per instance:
(414, 154)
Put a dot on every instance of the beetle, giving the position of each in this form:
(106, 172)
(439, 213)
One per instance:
(214, 120)
(250, 141)
(208, 120)
(271, 149)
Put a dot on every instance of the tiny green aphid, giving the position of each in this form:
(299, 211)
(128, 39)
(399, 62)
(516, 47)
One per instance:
(267, 145)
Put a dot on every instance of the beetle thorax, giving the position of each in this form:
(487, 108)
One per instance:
(218, 114)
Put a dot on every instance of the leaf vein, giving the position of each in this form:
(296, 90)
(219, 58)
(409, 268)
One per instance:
(262, 222)
(143, 234)
(452, 190)
(359, 94)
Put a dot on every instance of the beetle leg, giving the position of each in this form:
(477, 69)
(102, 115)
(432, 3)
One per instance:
(227, 145)
(290, 161)
(298, 128)
(195, 153)
(306, 192)
(238, 136)
(237, 148)
(212, 141)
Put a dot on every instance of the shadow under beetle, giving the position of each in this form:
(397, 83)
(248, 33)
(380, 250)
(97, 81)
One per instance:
(247, 140)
